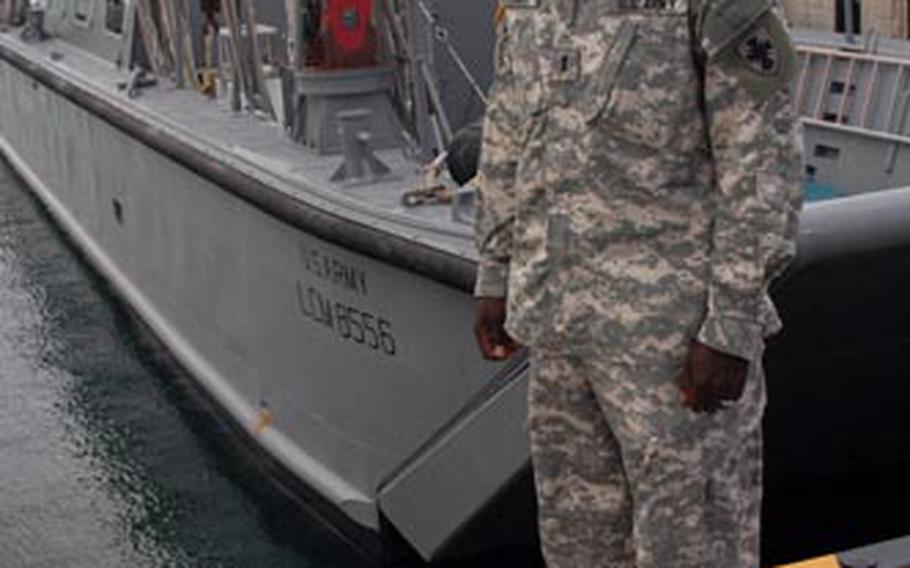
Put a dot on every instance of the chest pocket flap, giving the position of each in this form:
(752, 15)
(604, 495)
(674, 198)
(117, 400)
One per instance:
(605, 81)
(725, 20)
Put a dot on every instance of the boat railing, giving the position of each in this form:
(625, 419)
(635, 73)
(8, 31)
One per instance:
(853, 91)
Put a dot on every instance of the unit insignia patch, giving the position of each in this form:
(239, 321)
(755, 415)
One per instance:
(760, 52)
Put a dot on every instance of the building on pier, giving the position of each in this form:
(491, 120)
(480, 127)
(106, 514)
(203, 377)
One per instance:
(888, 18)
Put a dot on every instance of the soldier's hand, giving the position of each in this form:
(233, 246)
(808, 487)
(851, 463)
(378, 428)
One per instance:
(489, 329)
(711, 378)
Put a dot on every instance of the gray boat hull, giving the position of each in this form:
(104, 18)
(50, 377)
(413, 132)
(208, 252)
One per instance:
(356, 374)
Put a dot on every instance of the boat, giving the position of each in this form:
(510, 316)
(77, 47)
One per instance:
(293, 238)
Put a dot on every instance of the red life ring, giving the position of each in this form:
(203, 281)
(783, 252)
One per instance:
(349, 24)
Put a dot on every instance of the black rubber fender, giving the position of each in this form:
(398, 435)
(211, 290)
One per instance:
(464, 153)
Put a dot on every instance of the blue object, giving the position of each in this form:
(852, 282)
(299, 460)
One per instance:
(820, 192)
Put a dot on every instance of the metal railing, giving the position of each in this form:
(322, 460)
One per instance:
(857, 78)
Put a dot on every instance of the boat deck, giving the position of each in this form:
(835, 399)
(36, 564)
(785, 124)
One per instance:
(260, 148)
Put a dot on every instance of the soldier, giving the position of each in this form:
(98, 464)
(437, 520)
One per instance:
(639, 190)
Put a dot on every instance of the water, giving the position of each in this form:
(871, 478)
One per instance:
(105, 461)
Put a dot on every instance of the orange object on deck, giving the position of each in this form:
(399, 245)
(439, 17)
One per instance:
(824, 562)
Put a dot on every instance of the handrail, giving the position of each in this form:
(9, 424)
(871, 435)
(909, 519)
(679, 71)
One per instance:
(860, 131)
(857, 55)
(862, 85)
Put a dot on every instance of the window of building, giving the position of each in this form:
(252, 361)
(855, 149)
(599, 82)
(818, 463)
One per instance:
(839, 88)
(83, 10)
(113, 16)
(826, 151)
(848, 10)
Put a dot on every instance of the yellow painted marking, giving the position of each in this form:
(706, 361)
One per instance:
(266, 419)
(208, 85)
(824, 562)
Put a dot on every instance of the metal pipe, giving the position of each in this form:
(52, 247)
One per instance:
(825, 87)
(870, 93)
(419, 55)
(846, 97)
(849, 20)
(883, 59)
(891, 159)
(803, 81)
(866, 132)
(895, 96)
(177, 27)
(292, 11)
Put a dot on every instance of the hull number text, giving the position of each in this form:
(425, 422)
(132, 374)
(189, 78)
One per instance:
(348, 322)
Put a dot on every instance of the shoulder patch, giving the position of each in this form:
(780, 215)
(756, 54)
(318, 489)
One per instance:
(762, 59)
(760, 52)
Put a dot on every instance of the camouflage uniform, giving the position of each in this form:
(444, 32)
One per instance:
(640, 181)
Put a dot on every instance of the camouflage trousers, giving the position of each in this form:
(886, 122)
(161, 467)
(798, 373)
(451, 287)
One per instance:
(628, 478)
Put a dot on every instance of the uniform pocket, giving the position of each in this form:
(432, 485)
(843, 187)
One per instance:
(605, 81)
(559, 237)
(650, 92)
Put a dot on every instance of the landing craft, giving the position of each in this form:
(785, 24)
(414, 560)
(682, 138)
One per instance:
(297, 245)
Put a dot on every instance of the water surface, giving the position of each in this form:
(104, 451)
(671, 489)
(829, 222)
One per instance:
(105, 460)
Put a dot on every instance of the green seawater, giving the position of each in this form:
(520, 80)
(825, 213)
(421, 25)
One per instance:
(105, 461)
